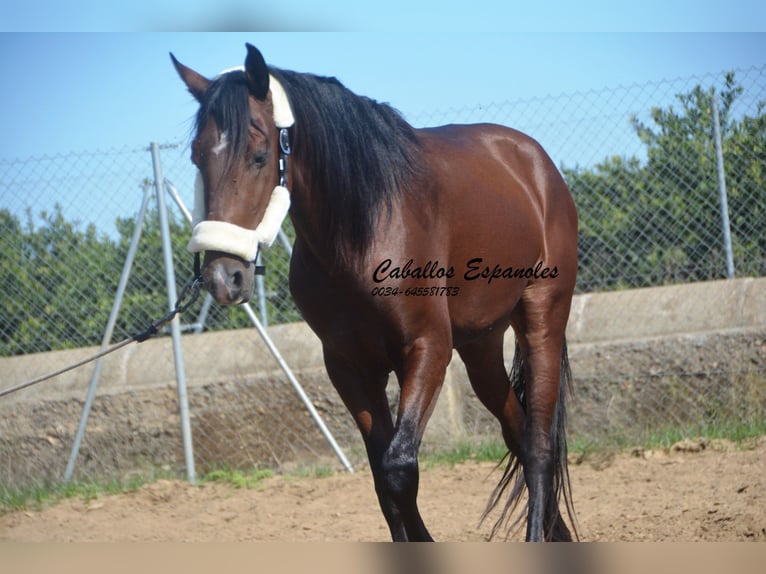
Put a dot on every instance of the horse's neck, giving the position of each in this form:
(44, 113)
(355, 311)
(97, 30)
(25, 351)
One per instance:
(308, 227)
(312, 237)
(308, 196)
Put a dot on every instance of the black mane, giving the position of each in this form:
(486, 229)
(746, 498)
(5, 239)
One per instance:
(364, 156)
(363, 153)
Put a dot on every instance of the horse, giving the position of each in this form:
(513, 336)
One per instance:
(409, 243)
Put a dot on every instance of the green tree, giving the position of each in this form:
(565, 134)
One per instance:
(55, 283)
(745, 158)
(13, 281)
(658, 221)
(59, 282)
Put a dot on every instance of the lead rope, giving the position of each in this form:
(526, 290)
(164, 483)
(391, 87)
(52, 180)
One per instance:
(191, 289)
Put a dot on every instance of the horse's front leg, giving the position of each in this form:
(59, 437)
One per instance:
(364, 395)
(421, 377)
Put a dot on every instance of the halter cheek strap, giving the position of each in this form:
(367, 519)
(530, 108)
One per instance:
(240, 241)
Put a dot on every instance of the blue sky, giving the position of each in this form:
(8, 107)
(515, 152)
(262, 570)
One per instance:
(400, 15)
(96, 76)
(68, 92)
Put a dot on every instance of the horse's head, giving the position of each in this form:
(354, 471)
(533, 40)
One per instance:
(240, 199)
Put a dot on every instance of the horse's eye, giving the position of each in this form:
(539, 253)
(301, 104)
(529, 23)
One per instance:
(259, 159)
(197, 154)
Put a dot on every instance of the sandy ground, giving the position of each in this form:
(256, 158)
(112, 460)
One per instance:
(699, 491)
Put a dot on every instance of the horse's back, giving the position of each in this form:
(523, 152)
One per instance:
(502, 204)
(484, 151)
(499, 186)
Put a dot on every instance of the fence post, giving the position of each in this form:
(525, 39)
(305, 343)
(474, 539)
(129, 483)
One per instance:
(260, 327)
(108, 331)
(260, 289)
(722, 186)
(175, 324)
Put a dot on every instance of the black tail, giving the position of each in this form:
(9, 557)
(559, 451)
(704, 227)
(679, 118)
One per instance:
(513, 476)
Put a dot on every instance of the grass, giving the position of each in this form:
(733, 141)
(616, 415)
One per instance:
(40, 496)
(581, 447)
(313, 471)
(664, 438)
(237, 478)
(599, 451)
(37, 497)
(480, 450)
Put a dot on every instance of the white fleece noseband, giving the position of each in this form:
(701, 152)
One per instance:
(233, 239)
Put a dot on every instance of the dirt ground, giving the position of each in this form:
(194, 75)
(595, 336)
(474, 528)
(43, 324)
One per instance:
(697, 491)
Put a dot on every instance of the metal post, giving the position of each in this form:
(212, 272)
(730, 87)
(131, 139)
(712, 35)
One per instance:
(269, 343)
(722, 187)
(176, 197)
(260, 289)
(199, 325)
(285, 242)
(175, 325)
(108, 331)
(297, 386)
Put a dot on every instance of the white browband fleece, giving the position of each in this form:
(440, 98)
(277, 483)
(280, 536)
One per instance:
(233, 239)
(283, 113)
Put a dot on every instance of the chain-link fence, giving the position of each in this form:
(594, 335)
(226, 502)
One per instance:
(641, 163)
(67, 224)
(661, 200)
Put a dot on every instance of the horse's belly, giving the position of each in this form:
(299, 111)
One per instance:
(481, 309)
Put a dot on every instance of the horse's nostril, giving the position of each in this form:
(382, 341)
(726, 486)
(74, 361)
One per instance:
(236, 279)
(227, 280)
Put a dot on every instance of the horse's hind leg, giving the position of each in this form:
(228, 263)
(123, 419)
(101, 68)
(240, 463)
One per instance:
(486, 370)
(485, 366)
(540, 321)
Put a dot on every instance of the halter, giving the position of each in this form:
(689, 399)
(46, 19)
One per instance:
(240, 241)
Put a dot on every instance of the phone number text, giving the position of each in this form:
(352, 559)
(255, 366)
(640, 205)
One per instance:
(415, 292)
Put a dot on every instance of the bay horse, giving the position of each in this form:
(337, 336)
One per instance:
(409, 243)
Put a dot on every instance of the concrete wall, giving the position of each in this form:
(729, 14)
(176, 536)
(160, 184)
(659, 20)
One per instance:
(661, 311)
(639, 338)
(713, 327)
(595, 318)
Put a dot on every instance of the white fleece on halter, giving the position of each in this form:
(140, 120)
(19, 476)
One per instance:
(233, 239)
(239, 241)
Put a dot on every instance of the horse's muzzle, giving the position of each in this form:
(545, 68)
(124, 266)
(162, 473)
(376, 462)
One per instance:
(229, 279)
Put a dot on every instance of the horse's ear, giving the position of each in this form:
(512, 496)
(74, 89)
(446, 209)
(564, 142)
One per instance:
(257, 73)
(196, 83)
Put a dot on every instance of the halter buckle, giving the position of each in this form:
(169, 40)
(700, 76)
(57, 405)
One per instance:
(284, 152)
(284, 142)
